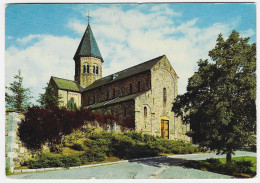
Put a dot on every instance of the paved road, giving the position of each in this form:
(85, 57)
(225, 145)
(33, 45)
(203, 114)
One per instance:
(161, 168)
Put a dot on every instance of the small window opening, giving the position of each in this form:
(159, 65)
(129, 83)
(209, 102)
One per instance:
(131, 88)
(84, 69)
(164, 96)
(114, 93)
(145, 111)
(139, 86)
(87, 68)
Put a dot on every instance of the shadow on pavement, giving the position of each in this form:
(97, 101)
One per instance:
(164, 161)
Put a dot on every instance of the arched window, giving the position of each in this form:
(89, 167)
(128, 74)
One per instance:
(94, 69)
(97, 70)
(139, 86)
(114, 93)
(164, 96)
(131, 88)
(145, 111)
(107, 94)
(87, 68)
(84, 69)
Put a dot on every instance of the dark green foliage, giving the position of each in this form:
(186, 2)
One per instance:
(71, 160)
(99, 145)
(136, 144)
(78, 147)
(49, 98)
(44, 161)
(220, 100)
(72, 105)
(19, 97)
(96, 154)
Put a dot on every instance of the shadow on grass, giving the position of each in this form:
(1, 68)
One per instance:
(220, 168)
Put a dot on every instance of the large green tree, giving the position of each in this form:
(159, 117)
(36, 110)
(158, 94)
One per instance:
(49, 98)
(220, 100)
(17, 97)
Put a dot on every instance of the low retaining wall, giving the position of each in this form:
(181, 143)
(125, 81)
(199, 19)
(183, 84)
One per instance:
(15, 153)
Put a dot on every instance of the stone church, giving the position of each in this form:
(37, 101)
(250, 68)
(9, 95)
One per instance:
(143, 93)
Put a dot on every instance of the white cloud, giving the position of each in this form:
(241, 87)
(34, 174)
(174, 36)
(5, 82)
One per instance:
(50, 56)
(125, 38)
(27, 39)
(76, 26)
(247, 33)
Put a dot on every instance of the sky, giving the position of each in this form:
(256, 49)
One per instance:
(41, 39)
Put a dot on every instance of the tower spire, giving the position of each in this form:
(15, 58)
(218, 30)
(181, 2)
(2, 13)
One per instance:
(89, 17)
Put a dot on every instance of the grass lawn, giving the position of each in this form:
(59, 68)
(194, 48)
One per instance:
(218, 165)
(247, 158)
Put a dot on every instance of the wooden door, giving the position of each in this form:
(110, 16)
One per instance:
(165, 129)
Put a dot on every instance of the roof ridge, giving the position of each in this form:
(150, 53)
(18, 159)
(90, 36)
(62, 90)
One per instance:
(63, 78)
(139, 64)
(133, 66)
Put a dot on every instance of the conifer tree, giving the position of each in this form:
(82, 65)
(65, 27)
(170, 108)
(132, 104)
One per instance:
(18, 97)
(220, 103)
(49, 98)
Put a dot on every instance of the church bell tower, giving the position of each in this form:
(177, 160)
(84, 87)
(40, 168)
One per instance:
(88, 60)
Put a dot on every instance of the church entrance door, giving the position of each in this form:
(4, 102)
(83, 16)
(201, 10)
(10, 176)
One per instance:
(165, 129)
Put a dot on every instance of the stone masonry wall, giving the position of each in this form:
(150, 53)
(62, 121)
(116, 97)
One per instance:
(123, 110)
(162, 76)
(15, 153)
(67, 95)
(121, 87)
(86, 79)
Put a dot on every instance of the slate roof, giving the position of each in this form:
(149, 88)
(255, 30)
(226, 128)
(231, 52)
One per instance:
(145, 66)
(66, 84)
(88, 46)
(114, 101)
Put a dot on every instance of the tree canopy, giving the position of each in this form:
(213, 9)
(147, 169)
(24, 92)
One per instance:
(49, 98)
(18, 97)
(220, 100)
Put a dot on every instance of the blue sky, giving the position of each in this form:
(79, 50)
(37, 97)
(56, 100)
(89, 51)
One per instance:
(41, 39)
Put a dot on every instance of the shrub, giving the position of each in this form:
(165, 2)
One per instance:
(244, 166)
(70, 160)
(45, 161)
(7, 171)
(94, 154)
(78, 147)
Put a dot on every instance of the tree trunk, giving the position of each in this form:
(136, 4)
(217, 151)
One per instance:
(228, 157)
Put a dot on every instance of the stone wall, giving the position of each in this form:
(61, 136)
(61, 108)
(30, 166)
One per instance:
(122, 110)
(117, 89)
(67, 95)
(86, 79)
(15, 153)
(162, 76)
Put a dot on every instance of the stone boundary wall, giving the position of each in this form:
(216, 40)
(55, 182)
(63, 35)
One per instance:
(15, 153)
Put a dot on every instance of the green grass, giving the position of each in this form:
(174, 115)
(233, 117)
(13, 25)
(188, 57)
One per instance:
(246, 158)
(213, 165)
